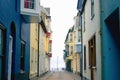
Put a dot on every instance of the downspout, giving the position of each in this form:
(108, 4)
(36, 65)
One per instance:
(81, 48)
(101, 38)
(38, 50)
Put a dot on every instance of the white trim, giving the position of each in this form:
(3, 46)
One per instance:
(10, 57)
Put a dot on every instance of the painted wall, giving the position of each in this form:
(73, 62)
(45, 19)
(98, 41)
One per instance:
(25, 36)
(110, 49)
(33, 49)
(6, 18)
(10, 14)
(91, 27)
(42, 52)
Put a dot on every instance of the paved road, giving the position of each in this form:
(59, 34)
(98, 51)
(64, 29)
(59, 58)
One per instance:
(63, 75)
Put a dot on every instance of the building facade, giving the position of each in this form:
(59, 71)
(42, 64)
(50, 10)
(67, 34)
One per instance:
(73, 48)
(77, 43)
(91, 43)
(33, 49)
(15, 17)
(68, 52)
(100, 39)
(110, 39)
(45, 43)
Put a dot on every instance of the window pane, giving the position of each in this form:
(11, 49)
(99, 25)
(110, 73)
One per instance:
(84, 57)
(22, 55)
(29, 4)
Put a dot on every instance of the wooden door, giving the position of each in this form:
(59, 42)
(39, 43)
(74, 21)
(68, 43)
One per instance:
(92, 56)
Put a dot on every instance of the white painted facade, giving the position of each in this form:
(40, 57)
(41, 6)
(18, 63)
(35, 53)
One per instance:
(30, 14)
(90, 27)
(44, 51)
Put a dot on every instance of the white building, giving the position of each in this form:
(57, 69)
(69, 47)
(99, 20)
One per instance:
(45, 42)
(91, 40)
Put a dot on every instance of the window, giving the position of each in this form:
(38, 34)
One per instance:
(84, 57)
(84, 28)
(79, 35)
(71, 37)
(92, 9)
(36, 32)
(92, 52)
(22, 58)
(29, 4)
(71, 49)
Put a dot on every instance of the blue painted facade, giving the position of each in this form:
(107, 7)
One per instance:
(110, 29)
(11, 24)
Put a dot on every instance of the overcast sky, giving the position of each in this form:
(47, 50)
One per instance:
(62, 13)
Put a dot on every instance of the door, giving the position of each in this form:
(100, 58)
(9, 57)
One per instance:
(91, 67)
(2, 45)
(10, 57)
(92, 56)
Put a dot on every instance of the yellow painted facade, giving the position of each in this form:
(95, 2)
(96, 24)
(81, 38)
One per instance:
(33, 49)
(72, 55)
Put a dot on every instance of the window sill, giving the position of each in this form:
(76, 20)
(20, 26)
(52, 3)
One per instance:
(94, 68)
(22, 72)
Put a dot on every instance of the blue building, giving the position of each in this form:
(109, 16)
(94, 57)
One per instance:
(110, 39)
(15, 19)
(14, 52)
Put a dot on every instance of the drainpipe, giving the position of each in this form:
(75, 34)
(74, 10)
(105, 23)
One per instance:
(38, 50)
(101, 15)
(81, 56)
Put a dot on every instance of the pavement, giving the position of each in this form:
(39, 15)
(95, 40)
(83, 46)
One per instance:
(60, 75)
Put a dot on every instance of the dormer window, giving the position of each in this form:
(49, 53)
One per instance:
(30, 4)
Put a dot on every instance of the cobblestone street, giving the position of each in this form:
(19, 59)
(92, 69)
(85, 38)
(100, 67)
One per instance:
(61, 75)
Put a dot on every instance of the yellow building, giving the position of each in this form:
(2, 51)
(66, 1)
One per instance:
(40, 44)
(72, 51)
(33, 49)
(69, 47)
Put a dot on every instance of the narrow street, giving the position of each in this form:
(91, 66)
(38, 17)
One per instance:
(61, 75)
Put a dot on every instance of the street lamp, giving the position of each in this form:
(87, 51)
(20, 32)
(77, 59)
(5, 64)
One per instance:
(57, 63)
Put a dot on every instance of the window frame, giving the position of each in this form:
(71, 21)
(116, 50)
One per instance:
(79, 35)
(92, 52)
(29, 4)
(92, 9)
(84, 57)
(22, 55)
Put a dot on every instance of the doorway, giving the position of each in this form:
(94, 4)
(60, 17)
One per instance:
(92, 56)
(2, 51)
